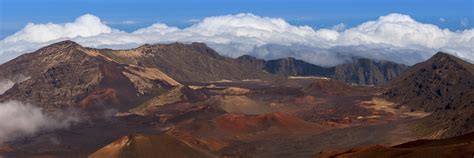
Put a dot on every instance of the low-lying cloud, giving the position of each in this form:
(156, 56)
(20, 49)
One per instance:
(22, 120)
(393, 37)
(5, 84)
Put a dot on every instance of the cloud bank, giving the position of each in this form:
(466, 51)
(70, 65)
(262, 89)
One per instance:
(394, 37)
(25, 120)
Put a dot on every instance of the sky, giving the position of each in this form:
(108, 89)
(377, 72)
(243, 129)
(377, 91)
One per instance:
(324, 33)
(133, 14)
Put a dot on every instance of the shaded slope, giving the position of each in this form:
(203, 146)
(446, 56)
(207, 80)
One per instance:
(443, 85)
(368, 72)
(143, 146)
(187, 62)
(293, 67)
(460, 147)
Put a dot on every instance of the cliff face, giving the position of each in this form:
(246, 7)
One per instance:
(368, 72)
(293, 67)
(359, 71)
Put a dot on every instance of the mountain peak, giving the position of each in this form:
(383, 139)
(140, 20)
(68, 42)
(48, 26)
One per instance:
(246, 56)
(441, 58)
(436, 79)
(66, 43)
(442, 54)
(290, 59)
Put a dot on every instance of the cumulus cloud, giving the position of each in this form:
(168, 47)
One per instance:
(25, 120)
(84, 26)
(388, 37)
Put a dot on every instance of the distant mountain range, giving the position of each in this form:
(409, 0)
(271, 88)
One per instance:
(358, 71)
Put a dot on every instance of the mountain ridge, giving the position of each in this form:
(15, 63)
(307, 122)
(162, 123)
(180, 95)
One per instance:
(362, 71)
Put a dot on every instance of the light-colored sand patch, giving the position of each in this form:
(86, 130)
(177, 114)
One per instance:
(196, 87)
(152, 74)
(309, 77)
(95, 53)
(222, 81)
(233, 91)
(253, 80)
(379, 104)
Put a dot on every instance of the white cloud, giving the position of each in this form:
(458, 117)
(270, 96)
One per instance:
(239, 34)
(84, 26)
(25, 120)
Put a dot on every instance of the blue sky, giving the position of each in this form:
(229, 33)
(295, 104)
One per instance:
(15, 14)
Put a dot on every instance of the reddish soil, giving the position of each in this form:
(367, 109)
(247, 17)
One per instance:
(242, 124)
(100, 96)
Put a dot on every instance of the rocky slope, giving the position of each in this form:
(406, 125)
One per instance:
(359, 71)
(187, 62)
(443, 85)
(65, 75)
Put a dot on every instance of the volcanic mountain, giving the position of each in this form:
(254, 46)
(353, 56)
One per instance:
(443, 85)
(65, 74)
(361, 71)
(150, 146)
(193, 62)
